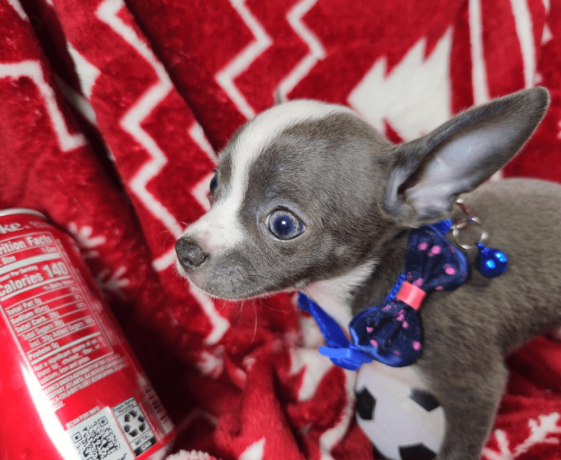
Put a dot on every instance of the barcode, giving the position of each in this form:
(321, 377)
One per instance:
(159, 408)
(99, 438)
(97, 441)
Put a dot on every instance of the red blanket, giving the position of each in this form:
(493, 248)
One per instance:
(110, 114)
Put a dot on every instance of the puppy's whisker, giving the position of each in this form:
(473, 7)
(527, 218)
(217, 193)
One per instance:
(255, 324)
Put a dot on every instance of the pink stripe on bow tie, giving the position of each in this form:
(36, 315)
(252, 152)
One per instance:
(411, 295)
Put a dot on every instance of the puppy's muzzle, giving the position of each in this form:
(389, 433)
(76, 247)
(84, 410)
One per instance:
(189, 254)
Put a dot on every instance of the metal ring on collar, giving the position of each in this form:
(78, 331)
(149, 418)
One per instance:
(456, 231)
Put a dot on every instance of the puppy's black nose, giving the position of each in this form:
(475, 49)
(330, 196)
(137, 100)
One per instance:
(190, 255)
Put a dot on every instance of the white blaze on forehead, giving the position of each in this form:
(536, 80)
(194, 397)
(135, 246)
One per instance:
(254, 139)
(221, 229)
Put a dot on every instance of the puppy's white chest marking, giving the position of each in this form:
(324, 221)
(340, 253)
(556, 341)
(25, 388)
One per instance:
(333, 295)
(331, 301)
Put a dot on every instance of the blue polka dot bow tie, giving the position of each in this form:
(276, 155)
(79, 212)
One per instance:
(391, 332)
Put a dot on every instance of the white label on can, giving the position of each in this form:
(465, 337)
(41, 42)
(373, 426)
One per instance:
(100, 438)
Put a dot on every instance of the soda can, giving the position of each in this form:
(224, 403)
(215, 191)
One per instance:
(70, 386)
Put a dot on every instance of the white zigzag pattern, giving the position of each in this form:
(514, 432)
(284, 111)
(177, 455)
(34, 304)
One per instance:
(87, 72)
(131, 121)
(76, 100)
(164, 261)
(546, 34)
(479, 70)
(317, 52)
(244, 59)
(329, 438)
(32, 70)
(525, 34)
(16, 5)
(199, 191)
(315, 368)
(198, 135)
(219, 324)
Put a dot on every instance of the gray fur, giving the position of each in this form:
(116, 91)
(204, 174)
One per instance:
(358, 196)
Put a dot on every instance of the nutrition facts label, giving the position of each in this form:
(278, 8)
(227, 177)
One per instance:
(49, 310)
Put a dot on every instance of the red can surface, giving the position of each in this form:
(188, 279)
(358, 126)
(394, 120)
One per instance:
(70, 387)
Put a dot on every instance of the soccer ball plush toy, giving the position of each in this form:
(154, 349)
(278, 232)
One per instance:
(403, 421)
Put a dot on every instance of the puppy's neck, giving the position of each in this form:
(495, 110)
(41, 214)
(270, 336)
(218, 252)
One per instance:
(361, 287)
(335, 295)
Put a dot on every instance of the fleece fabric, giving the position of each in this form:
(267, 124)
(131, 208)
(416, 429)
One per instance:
(110, 116)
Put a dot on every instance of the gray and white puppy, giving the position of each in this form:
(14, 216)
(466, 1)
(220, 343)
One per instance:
(308, 196)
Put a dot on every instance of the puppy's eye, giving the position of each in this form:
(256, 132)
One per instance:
(214, 183)
(284, 225)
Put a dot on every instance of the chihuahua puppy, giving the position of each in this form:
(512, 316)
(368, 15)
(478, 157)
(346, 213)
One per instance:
(308, 196)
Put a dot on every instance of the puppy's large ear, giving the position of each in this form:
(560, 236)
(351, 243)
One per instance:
(427, 175)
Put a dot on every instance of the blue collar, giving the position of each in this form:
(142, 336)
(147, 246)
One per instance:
(391, 332)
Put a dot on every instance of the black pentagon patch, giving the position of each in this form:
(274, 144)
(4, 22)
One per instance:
(416, 452)
(424, 399)
(365, 404)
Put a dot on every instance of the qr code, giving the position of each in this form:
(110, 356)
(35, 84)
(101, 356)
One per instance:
(97, 441)
(99, 438)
